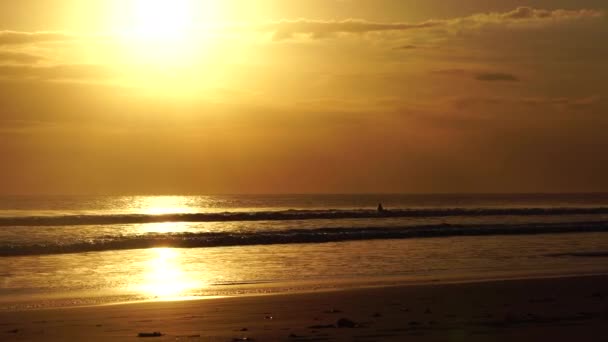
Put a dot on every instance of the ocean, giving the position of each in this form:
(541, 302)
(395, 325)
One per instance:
(71, 251)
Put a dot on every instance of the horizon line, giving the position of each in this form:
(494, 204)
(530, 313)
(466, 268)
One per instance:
(315, 194)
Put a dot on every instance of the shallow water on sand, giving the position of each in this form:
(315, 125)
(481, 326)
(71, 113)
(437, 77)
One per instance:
(167, 273)
(62, 251)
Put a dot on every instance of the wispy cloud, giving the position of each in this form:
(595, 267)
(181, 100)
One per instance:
(488, 76)
(496, 76)
(18, 57)
(17, 37)
(529, 13)
(318, 29)
(560, 102)
(407, 47)
(56, 72)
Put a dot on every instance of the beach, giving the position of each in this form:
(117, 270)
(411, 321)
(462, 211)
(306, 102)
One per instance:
(304, 170)
(304, 268)
(550, 309)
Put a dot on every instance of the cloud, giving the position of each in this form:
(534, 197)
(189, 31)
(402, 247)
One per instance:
(318, 29)
(18, 57)
(406, 47)
(321, 29)
(496, 76)
(527, 13)
(563, 101)
(487, 76)
(559, 102)
(457, 72)
(16, 37)
(27, 102)
(56, 72)
(522, 15)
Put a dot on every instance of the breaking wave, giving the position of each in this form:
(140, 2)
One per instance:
(295, 236)
(288, 215)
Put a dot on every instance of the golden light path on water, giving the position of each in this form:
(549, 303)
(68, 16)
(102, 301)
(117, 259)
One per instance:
(164, 278)
(162, 228)
(159, 205)
(162, 205)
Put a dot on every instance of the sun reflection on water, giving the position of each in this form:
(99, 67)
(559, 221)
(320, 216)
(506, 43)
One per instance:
(161, 205)
(164, 278)
(163, 228)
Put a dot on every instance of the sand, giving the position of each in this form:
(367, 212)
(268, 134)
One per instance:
(561, 309)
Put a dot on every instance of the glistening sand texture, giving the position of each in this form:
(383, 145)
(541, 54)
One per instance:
(559, 309)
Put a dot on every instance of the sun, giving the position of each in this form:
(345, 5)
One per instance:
(164, 47)
(162, 20)
(164, 34)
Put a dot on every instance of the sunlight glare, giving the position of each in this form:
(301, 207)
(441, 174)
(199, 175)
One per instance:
(162, 19)
(164, 33)
(161, 205)
(172, 48)
(165, 279)
(163, 228)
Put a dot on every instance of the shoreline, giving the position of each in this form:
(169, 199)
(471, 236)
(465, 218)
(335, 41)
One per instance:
(347, 289)
(270, 289)
(557, 309)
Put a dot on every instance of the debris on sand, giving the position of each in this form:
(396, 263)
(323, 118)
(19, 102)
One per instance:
(321, 326)
(346, 323)
(332, 311)
(152, 334)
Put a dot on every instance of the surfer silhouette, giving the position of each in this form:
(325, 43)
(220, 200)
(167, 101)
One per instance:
(380, 208)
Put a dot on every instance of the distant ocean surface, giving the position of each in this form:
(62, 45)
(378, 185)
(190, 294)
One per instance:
(57, 251)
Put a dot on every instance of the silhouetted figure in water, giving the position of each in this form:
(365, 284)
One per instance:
(381, 209)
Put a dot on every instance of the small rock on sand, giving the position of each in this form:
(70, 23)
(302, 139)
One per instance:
(152, 334)
(333, 311)
(322, 326)
(346, 323)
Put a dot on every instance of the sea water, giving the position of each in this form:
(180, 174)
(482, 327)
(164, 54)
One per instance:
(64, 251)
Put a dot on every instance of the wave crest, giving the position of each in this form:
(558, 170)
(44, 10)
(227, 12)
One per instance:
(288, 215)
(296, 236)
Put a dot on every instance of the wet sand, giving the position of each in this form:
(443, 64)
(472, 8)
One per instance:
(560, 309)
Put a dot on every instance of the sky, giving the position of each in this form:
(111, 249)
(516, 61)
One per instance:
(317, 96)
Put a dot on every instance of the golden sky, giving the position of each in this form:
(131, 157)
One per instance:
(275, 96)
